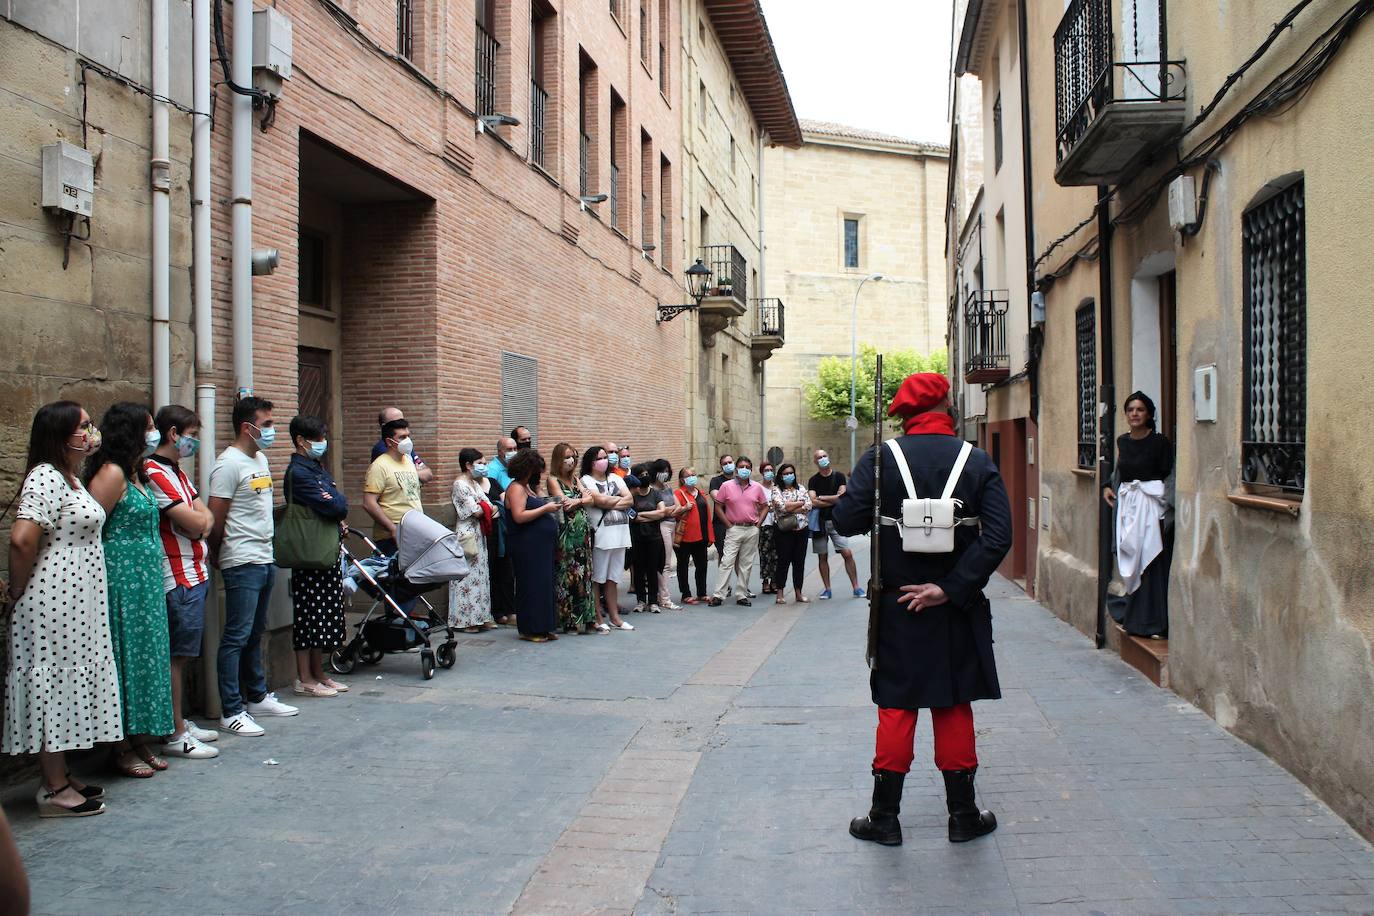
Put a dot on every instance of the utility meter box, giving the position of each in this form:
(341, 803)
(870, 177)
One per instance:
(1182, 203)
(68, 179)
(271, 50)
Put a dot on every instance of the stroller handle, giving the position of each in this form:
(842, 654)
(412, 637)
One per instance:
(365, 539)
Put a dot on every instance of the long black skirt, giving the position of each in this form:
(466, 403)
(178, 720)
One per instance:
(1145, 612)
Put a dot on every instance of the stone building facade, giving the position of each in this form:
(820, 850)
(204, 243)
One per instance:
(891, 192)
(1229, 312)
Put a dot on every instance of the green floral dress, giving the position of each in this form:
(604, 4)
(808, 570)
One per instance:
(138, 614)
(573, 595)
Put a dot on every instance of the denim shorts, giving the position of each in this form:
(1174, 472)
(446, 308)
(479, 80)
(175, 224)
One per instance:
(186, 619)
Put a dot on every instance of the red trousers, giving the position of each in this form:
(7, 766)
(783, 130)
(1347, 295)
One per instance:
(954, 745)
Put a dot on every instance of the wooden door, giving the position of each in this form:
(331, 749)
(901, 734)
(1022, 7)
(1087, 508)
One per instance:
(1167, 419)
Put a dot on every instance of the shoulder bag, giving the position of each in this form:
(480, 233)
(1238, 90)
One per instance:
(302, 539)
(927, 525)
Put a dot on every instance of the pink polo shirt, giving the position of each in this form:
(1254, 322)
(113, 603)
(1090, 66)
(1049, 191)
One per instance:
(741, 504)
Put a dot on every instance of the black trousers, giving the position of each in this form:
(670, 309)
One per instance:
(791, 547)
(696, 552)
(502, 582)
(647, 546)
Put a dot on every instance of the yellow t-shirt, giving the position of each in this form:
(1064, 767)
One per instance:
(397, 485)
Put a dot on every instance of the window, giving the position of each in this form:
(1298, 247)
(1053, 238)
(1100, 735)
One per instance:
(646, 190)
(753, 193)
(704, 232)
(615, 8)
(588, 114)
(312, 285)
(665, 207)
(487, 49)
(520, 393)
(732, 93)
(1086, 324)
(732, 155)
(620, 200)
(1274, 238)
(701, 33)
(644, 31)
(543, 75)
(663, 47)
(997, 134)
(851, 242)
(405, 28)
(701, 102)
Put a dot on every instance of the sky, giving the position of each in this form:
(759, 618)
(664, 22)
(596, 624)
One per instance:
(880, 64)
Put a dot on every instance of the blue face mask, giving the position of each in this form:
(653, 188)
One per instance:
(625, 463)
(151, 440)
(317, 449)
(743, 473)
(728, 468)
(187, 446)
(824, 463)
(265, 437)
(789, 479)
(690, 480)
(767, 475)
(479, 471)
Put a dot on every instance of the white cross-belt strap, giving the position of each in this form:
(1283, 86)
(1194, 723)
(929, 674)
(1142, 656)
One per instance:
(905, 471)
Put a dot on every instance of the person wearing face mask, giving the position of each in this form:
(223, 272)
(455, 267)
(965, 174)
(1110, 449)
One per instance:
(826, 488)
(662, 476)
(645, 537)
(523, 438)
(184, 523)
(392, 487)
(63, 685)
(499, 567)
(610, 499)
(497, 467)
(385, 416)
(790, 500)
(727, 472)
(241, 546)
(573, 593)
(317, 595)
(133, 566)
(742, 505)
(768, 531)
(469, 599)
(693, 534)
(621, 462)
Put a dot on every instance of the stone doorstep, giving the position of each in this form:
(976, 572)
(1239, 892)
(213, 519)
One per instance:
(1148, 656)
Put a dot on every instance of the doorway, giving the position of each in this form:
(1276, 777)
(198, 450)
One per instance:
(1168, 355)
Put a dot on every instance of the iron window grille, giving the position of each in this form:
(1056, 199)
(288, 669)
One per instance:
(487, 48)
(1086, 323)
(997, 134)
(615, 196)
(539, 109)
(405, 28)
(1274, 448)
(851, 243)
(583, 146)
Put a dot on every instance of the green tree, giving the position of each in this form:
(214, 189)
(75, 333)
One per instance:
(827, 398)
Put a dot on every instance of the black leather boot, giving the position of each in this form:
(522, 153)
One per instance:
(966, 821)
(881, 825)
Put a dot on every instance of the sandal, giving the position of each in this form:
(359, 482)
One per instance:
(135, 769)
(148, 757)
(87, 791)
(780, 600)
(49, 808)
(802, 599)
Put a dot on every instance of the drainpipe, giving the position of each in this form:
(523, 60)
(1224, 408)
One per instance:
(161, 183)
(1106, 530)
(1027, 178)
(200, 237)
(241, 192)
(763, 285)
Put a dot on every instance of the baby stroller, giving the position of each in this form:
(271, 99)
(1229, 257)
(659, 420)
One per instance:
(427, 555)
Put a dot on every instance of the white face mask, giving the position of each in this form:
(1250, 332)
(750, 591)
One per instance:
(151, 440)
(405, 446)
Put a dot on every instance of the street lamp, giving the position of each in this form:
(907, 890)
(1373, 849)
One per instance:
(853, 421)
(698, 280)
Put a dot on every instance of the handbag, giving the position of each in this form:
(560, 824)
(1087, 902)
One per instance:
(927, 525)
(303, 540)
(789, 522)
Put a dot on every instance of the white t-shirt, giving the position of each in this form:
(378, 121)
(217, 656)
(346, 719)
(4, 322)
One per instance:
(248, 526)
(615, 531)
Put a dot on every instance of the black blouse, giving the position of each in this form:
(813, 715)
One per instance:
(1151, 458)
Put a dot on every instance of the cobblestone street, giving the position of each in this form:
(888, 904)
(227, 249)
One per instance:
(708, 762)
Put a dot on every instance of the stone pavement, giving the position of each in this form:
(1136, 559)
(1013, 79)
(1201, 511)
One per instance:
(708, 762)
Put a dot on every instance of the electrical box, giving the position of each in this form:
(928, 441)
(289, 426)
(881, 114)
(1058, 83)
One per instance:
(1045, 512)
(68, 179)
(271, 50)
(1205, 394)
(1037, 308)
(1182, 203)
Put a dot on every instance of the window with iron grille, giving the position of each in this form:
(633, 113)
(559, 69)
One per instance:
(644, 32)
(1086, 322)
(405, 28)
(520, 393)
(997, 133)
(487, 49)
(1274, 449)
(851, 243)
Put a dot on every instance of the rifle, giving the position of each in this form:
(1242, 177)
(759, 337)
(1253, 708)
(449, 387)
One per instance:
(875, 579)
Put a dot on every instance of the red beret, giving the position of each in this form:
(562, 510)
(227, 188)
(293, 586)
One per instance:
(919, 393)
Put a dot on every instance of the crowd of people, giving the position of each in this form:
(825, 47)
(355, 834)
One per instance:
(112, 545)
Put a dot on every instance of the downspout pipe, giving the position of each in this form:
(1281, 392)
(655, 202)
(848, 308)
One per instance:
(1106, 443)
(160, 178)
(1027, 185)
(241, 195)
(762, 294)
(200, 238)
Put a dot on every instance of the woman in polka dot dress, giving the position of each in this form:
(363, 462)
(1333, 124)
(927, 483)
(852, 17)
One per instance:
(133, 570)
(62, 688)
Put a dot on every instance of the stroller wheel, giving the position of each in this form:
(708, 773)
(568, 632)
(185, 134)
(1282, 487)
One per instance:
(448, 655)
(370, 656)
(342, 660)
(427, 663)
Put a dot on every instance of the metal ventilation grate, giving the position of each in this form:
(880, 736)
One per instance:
(520, 394)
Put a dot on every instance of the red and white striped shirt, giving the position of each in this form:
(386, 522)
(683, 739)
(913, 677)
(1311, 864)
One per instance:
(183, 557)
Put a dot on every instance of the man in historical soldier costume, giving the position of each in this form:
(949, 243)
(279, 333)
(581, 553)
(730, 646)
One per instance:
(931, 639)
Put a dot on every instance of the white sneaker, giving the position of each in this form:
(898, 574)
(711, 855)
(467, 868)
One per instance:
(622, 626)
(655, 609)
(638, 608)
(271, 706)
(668, 605)
(188, 745)
(241, 724)
(203, 735)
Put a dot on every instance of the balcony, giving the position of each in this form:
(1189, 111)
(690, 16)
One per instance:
(985, 337)
(767, 337)
(1119, 99)
(487, 48)
(726, 293)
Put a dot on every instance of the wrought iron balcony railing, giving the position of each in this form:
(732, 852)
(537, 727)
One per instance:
(539, 113)
(985, 337)
(729, 272)
(1118, 98)
(768, 317)
(487, 48)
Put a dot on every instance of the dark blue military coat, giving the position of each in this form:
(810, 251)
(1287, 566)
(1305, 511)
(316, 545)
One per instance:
(940, 656)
